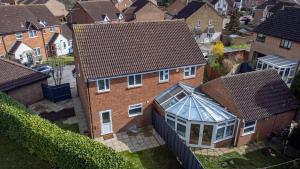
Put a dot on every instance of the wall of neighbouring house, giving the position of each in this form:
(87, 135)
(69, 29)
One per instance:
(149, 12)
(123, 4)
(203, 15)
(272, 46)
(60, 50)
(35, 42)
(264, 127)
(79, 16)
(28, 94)
(120, 97)
(56, 8)
(258, 15)
(19, 53)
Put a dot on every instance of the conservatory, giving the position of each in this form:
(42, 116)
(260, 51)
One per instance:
(197, 119)
(286, 68)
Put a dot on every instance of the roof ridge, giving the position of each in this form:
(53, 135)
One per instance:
(247, 73)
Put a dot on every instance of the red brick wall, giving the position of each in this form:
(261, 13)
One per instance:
(79, 16)
(28, 94)
(35, 42)
(265, 126)
(120, 97)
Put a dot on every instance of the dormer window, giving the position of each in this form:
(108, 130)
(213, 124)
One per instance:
(120, 16)
(105, 18)
(260, 37)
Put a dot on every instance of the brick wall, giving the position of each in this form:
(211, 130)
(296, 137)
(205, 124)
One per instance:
(258, 15)
(149, 12)
(203, 15)
(28, 94)
(79, 16)
(35, 42)
(120, 97)
(272, 46)
(265, 126)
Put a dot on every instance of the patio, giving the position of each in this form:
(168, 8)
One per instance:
(146, 138)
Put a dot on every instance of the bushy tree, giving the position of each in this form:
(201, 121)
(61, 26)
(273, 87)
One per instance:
(234, 24)
(295, 88)
(218, 50)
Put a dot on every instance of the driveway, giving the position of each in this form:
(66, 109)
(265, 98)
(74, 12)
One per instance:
(67, 76)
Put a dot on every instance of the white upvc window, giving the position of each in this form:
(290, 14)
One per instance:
(170, 119)
(285, 44)
(134, 80)
(189, 72)
(19, 35)
(103, 85)
(37, 51)
(135, 110)
(163, 76)
(249, 127)
(52, 29)
(225, 130)
(181, 128)
(32, 33)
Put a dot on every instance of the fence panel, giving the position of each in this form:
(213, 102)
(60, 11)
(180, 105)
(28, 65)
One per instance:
(57, 93)
(183, 153)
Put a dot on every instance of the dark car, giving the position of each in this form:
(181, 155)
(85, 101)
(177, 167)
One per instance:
(43, 68)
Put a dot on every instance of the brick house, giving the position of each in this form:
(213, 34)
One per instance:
(202, 19)
(24, 86)
(24, 32)
(94, 11)
(277, 44)
(117, 81)
(143, 10)
(260, 99)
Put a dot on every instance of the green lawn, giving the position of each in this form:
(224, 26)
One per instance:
(243, 46)
(251, 160)
(68, 60)
(155, 158)
(13, 156)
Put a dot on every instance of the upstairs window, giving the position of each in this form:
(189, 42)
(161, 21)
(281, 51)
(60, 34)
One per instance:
(52, 29)
(103, 85)
(163, 76)
(260, 37)
(19, 35)
(285, 44)
(190, 72)
(32, 33)
(249, 127)
(134, 81)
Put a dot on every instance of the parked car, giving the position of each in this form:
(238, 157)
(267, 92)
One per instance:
(43, 68)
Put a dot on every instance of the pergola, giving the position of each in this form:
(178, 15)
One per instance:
(286, 68)
(197, 119)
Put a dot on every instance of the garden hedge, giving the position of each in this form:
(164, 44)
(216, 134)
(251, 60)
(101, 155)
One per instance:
(65, 149)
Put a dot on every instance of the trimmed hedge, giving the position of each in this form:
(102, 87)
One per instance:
(65, 149)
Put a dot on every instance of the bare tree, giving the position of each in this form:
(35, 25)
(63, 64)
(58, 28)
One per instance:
(58, 68)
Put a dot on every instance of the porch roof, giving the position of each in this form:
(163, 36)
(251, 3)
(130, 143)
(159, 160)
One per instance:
(277, 61)
(186, 102)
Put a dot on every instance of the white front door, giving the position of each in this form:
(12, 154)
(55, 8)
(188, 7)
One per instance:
(106, 122)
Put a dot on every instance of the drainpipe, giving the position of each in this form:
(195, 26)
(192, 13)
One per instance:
(237, 132)
(2, 38)
(44, 44)
(90, 108)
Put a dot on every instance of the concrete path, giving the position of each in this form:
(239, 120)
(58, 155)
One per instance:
(128, 142)
(220, 151)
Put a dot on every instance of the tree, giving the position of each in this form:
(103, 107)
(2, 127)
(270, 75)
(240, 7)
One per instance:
(234, 23)
(215, 60)
(295, 88)
(58, 68)
(218, 51)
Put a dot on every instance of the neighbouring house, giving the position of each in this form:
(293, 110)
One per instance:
(143, 10)
(174, 8)
(21, 82)
(220, 5)
(117, 87)
(122, 4)
(203, 20)
(24, 32)
(261, 101)
(269, 7)
(277, 44)
(61, 44)
(238, 4)
(56, 7)
(103, 11)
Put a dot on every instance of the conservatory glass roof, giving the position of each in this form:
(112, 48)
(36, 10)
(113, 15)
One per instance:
(184, 101)
(277, 61)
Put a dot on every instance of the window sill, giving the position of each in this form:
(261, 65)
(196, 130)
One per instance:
(103, 91)
(249, 133)
(134, 115)
(223, 139)
(189, 77)
(165, 81)
(131, 87)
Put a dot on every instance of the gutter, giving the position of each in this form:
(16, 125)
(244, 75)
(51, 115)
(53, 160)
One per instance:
(90, 113)
(44, 44)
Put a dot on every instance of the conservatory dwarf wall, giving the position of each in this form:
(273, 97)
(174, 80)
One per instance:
(286, 68)
(197, 119)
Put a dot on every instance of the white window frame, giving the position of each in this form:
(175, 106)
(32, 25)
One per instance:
(105, 85)
(227, 124)
(36, 35)
(40, 53)
(163, 79)
(189, 70)
(101, 122)
(249, 132)
(134, 106)
(52, 28)
(18, 37)
(134, 81)
(286, 44)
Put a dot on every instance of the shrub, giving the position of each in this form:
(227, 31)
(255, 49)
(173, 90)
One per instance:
(65, 149)
(295, 88)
